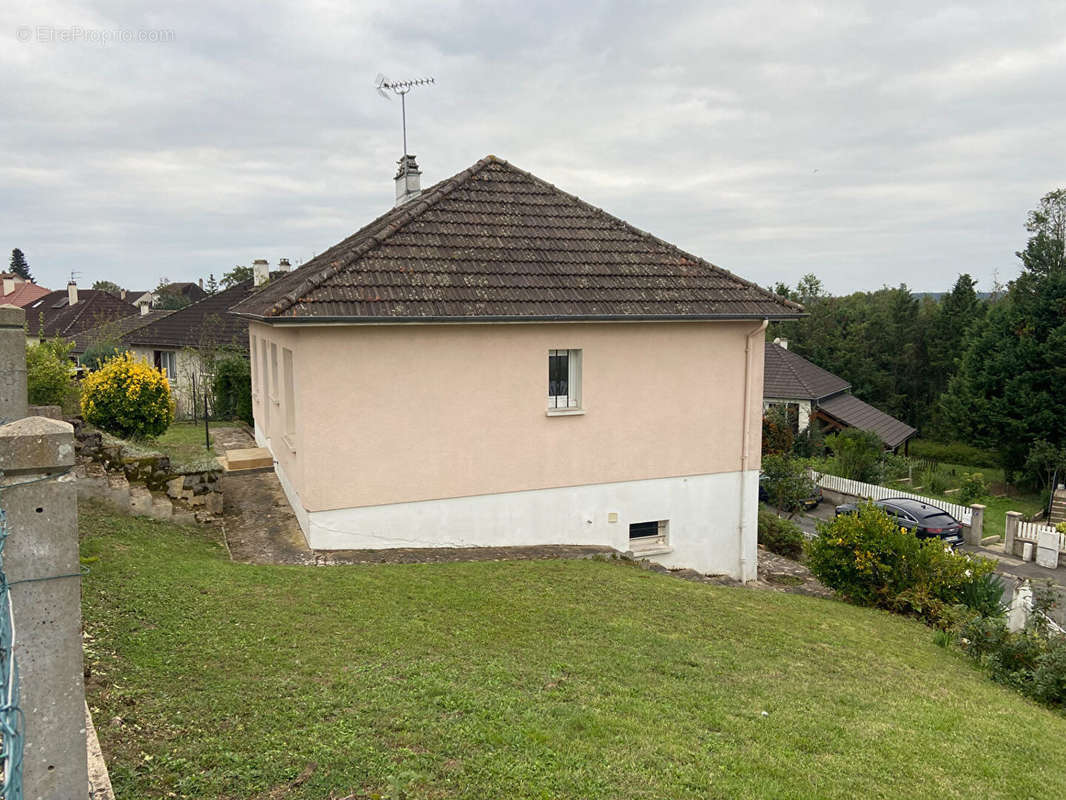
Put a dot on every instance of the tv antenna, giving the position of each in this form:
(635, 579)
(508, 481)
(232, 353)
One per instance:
(381, 83)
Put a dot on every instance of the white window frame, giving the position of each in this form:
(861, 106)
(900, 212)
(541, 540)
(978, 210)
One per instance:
(661, 539)
(168, 359)
(569, 403)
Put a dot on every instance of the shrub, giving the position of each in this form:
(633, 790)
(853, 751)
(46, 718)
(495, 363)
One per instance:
(934, 482)
(953, 453)
(128, 397)
(973, 488)
(777, 436)
(894, 467)
(1032, 660)
(96, 355)
(49, 373)
(810, 442)
(871, 561)
(1061, 527)
(857, 453)
(780, 536)
(787, 482)
(233, 388)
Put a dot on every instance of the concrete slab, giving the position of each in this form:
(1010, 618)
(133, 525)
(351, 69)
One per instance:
(248, 458)
(140, 501)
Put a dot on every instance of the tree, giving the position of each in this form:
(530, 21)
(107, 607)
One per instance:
(1045, 464)
(1010, 390)
(19, 265)
(166, 298)
(109, 287)
(49, 372)
(777, 436)
(857, 453)
(788, 483)
(232, 388)
(212, 284)
(236, 275)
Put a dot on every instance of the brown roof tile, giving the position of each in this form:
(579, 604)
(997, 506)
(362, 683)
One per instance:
(854, 413)
(116, 330)
(94, 308)
(789, 376)
(497, 242)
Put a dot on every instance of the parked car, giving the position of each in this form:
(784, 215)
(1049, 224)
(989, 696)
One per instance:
(924, 519)
(808, 502)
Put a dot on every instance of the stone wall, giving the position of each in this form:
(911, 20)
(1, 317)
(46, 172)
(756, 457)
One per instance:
(143, 482)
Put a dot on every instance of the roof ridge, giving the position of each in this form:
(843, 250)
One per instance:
(416, 208)
(791, 368)
(643, 234)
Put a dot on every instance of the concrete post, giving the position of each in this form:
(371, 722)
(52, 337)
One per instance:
(1013, 518)
(12, 363)
(41, 563)
(977, 525)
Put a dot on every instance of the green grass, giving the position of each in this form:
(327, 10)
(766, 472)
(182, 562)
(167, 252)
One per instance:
(552, 679)
(184, 442)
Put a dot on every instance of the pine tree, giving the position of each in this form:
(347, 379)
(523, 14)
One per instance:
(212, 284)
(19, 265)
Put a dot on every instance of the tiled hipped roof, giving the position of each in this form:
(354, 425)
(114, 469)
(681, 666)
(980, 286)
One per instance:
(792, 377)
(53, 315)
(494, 242)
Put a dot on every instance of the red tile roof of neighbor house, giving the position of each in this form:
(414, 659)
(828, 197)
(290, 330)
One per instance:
(94, 307)
(496, 243)
(25, 293)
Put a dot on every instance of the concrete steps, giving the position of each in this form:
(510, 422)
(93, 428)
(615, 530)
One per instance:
(1058, 507)
(244, 460)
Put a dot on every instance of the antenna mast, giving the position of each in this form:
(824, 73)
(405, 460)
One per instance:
(401, 88)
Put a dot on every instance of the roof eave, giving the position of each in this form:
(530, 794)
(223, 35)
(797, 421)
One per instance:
(348, 320)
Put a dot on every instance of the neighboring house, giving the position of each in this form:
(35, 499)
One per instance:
(67, 313)
(192, 292)
(805, 391)
(141, 299)
(181, 341)
(495, 362)
(18, 291)
(114, 331)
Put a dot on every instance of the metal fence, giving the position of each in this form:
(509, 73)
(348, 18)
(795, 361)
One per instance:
(872, 491)
(11, 728)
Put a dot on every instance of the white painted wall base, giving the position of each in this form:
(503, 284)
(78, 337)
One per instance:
(703, 510)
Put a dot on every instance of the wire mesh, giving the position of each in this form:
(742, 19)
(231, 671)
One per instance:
(11, 723)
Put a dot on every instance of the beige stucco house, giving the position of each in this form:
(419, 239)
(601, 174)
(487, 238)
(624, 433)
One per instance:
(494, 362)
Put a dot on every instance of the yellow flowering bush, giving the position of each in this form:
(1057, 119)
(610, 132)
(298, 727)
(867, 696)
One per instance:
(127, 397)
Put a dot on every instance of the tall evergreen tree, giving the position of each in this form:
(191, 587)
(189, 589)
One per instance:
(1010, 390)
(19, 265)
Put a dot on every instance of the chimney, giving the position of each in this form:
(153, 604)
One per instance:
(782, 343)
(122, 294)
(284, 265)
(201, 282)
(260, 272)
(9, 283)
(72, 293)
(408, 180)
(144, 307)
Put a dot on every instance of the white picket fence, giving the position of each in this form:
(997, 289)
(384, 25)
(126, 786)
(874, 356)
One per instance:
(1028, 531)
(872, 491)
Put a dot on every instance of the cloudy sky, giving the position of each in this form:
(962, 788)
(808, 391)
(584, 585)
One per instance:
(870, 143)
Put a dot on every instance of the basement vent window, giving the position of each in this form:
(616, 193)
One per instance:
(650, 534)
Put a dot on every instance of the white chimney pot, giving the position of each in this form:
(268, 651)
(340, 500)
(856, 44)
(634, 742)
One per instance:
(72, 293)
(260, 272)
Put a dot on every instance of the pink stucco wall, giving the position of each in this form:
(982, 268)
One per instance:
(399, 413)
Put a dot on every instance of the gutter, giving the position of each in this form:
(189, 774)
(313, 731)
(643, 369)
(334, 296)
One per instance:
(745, 445)
(515, 318)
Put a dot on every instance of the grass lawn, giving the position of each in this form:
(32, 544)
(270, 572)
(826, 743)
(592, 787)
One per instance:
(184, 442)
(554, 679)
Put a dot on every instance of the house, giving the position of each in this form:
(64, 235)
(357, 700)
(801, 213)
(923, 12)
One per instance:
(140, 298)
(495, 362)
(66, 313)
(114, 331)
(17, 291)
(182, 341)
(805, 391)
(189, 292)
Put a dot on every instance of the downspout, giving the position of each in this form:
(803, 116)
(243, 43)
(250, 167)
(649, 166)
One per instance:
(745, 448)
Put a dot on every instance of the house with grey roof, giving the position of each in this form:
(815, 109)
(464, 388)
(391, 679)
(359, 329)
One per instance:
(494, 362)
(806, 392)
